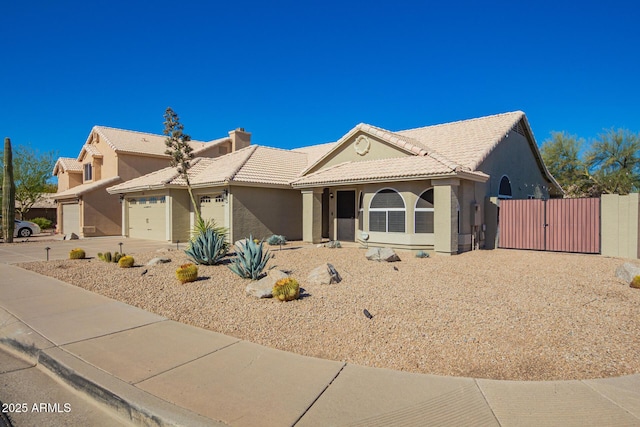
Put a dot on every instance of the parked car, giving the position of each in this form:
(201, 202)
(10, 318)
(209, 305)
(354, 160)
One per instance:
(23, 228)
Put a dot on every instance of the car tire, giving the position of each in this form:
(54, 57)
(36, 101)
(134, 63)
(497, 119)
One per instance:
(24, 232)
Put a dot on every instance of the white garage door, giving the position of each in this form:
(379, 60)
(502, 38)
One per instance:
(147, 218)
(213, 206)
(71, 218)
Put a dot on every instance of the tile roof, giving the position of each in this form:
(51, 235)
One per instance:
(253, 164)
(67, 164)
(90, 149)
(466, 142)
(315, 152)
(127, 141)
(397, 168)
(81, 189)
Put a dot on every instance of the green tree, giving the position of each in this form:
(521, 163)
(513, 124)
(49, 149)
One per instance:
(32, 171)
(614, 162)
(561, 155)
(8, 190)
(181, 153)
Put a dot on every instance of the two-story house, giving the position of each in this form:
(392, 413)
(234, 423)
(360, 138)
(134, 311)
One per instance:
(109, 157)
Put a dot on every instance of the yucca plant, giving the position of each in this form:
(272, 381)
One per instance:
(203, 225)
(250, 259)
(208, 248)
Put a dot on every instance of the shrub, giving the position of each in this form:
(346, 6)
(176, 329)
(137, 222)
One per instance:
(208, 248)
(250, 259)
(422, 254)
(43, 223)
(126, 262)
(277, 240)
(187, 273)
(635, 283)
(77, 253)
(286, 289)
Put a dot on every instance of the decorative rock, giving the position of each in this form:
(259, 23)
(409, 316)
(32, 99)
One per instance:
(382, 254)
(325, 274)
(262, 288)
(159, 260)
(627, 272)
(72, 236)
(333, 244)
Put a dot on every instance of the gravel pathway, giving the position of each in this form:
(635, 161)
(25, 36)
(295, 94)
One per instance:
(501, 314)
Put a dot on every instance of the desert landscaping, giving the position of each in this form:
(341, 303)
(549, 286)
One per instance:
(501, 314)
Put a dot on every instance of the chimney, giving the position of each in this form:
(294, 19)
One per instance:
(239, 139)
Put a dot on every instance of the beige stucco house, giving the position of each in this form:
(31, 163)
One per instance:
(433, 188)
(111, 156)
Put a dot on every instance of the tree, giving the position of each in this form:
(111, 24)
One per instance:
(561, 155)
(181, 153)
(32, 171)
(614, 162)
(8, 190)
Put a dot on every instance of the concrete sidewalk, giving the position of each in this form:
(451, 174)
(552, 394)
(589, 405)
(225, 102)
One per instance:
(155, 371)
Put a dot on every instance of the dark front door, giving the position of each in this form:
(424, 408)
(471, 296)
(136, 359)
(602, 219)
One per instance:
(346, 215)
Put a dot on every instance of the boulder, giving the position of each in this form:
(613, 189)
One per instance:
(333, 244)
(159, 260)
(382, 254)
(262, 288)
(325, 274)
(71, 236)
(627, 272)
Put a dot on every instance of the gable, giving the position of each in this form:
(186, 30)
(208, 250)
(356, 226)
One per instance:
(358, 147)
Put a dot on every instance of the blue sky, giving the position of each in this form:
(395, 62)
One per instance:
(299, 73)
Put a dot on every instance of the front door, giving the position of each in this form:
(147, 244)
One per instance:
(346, 215)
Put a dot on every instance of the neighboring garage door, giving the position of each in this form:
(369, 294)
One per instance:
(71, 218)
(212, 206)
(147, 218)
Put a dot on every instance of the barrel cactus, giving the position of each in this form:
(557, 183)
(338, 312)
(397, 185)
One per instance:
(286, 289)
(77, 253)
(187, 273)
(126, 262)
(635, 283)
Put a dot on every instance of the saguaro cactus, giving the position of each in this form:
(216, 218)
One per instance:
(8, 195)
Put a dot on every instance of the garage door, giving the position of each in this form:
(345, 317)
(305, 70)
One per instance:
(213, 206)
(71, 218)
(147, 218)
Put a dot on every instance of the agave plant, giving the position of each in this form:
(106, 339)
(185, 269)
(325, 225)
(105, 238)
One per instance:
(208, 247)
(250, 259)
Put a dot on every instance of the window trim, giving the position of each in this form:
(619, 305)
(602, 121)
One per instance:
(417, 209)
(505, 196)
(387, 210)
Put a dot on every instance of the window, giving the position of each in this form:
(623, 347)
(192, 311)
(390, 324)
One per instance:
(153, 200)
(424, 212)
(387, 212)
(205, 199)
(504, 191)
(142, 201)
(361, 212)
(133, 201)
(88, 172)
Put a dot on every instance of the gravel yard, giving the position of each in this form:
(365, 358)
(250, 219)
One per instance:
(501, 314)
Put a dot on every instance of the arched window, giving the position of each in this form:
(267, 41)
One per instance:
(504, 192)
(361, 212)
(424, 212)
(387, 212)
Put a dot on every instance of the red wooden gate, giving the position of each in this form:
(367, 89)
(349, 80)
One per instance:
(562, 225)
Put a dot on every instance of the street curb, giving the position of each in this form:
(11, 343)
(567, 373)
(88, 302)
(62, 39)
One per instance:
(128, 401)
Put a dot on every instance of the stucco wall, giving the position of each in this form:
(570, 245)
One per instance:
(378, 150)
(262, 212)
(67, 180)
(620, 225)
(134, 166)
(102, 214)
(514, 157)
